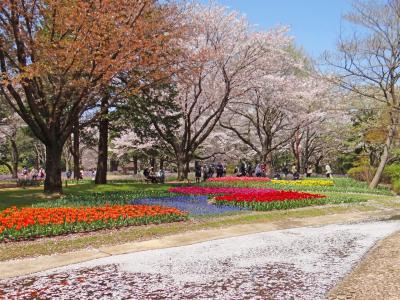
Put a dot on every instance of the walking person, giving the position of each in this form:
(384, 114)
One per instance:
(242, 171)
(34, 174)
(146, 173)
(328, 171)
(211, 171)
(263, 170)
(309, 171)
(161, 176)
(220, 170)
(69, 174)
(197, 171)
(293, 169)
(250, 170)
(258, 170)
(205, 173)
(42, 173)
(295, 172)
(25, 172)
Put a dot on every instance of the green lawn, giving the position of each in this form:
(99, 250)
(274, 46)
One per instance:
(26, 197)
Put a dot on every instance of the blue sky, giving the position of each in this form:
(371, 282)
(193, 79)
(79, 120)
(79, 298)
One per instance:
(315, 24)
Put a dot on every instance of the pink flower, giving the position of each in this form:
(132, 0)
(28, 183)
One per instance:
(242, 179)
(200, 190)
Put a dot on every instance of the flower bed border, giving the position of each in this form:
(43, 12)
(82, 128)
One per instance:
(275, 205)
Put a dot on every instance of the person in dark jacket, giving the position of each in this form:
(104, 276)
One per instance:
(197, 171)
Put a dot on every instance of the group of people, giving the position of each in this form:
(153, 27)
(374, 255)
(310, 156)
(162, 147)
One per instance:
(208, 171)
(247, 169)
(309, 171)
(80, 175)
(262, 170)
(154, 177)
(33, 174)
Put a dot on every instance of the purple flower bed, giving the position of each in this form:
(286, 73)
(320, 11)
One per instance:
(194, 205)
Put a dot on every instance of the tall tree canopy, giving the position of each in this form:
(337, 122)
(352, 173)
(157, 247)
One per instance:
(57, 56)
(368, 63)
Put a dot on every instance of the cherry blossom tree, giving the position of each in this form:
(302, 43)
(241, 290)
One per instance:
(273, 113)
(222, 54)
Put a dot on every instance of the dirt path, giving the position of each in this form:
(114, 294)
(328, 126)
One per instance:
(377, 276)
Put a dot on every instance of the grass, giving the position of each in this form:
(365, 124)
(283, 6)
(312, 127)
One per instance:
(32, 195)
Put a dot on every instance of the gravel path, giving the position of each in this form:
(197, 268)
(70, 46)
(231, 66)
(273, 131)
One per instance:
(301, 263)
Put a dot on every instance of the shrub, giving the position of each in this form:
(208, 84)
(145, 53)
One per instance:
(4, 170)
(392, 172)
(396, 186)
(362, 173)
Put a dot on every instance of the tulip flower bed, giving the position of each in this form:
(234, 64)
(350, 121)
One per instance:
(271, 200)
(306, 182)
(240, 179)
(24, 223)
(204, 190)
(195, 205)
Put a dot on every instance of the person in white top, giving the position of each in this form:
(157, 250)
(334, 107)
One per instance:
(328, 171)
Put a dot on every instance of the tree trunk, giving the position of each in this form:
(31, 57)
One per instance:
(114, 165)
(186, 170)
(135, 166)
(161, 164)
(75, 151)
(179, 165)
(266, 158)
(297, 150)
(14, 173)
(101, 174)
(384, 157)
(317, 165)
(15, 160)
(37, 161)
(52, 182)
